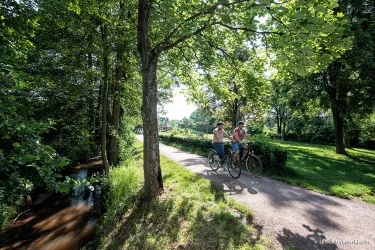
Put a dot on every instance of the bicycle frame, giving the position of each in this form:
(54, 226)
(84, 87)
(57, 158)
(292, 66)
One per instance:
(250, 151)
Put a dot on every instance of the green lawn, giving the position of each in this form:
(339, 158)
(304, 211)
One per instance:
(319, 168)
(190, 214)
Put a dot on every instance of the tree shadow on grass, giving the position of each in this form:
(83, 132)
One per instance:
(315, 240)
(220, 230)
(325, 173)
(143, 226)
(363, 158)
(177, 221)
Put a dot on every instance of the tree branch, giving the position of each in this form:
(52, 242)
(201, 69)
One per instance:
(247, 29)
(183, 38)
(210, 10)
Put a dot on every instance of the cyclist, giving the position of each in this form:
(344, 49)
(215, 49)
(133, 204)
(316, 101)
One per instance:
(217, 140)
(238, 134)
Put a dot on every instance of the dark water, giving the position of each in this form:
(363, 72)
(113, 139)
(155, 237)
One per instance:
(58, 222)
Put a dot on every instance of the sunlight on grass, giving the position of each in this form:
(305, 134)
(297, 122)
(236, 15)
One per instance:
(192, 213)
(319, 168)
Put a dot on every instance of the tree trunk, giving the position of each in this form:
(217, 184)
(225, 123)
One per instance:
(103, 140)
(278, 124)
(234, 115)
(339, 131)
(113, 142)
(151, 155)
(152, 170)
(284, 127)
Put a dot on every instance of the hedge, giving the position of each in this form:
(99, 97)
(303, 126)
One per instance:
(273, 157)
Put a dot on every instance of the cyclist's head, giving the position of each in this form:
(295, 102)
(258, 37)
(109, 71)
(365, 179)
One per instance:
(241, 124)
(219, 123)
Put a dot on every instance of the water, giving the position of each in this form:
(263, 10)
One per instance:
(60, 222)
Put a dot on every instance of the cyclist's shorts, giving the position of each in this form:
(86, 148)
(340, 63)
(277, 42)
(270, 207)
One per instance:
(236, 146)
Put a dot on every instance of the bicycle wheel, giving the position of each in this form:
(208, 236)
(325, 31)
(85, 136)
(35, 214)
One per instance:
(234, 169)
(254, 165)
(211, 161)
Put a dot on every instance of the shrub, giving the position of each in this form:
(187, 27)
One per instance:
(273, 157)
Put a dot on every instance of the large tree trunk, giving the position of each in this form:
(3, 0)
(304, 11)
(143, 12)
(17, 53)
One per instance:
(103, 140)
(339, 131)
(152, 171)
(113, 142)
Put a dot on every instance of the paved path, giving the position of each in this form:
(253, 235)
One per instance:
(293, 216)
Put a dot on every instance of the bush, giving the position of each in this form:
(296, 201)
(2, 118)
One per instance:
(273, 157)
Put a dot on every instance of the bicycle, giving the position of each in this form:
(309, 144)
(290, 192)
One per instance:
(251, 161)
(228, 154)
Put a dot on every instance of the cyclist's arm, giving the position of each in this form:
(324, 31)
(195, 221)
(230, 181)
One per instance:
(227, 136)
(248, 137)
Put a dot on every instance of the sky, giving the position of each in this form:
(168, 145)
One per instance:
(178, 108)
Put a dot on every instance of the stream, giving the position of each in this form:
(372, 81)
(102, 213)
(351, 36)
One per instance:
(59, 222)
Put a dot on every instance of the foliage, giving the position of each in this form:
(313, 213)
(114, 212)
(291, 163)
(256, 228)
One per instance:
(25, 161)
(273, 158)
(126, 139)
(316, 129)
(187, 214)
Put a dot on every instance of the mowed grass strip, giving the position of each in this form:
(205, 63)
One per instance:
(319, 168)
(191, 213)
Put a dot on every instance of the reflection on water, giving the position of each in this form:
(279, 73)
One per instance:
(60, 222)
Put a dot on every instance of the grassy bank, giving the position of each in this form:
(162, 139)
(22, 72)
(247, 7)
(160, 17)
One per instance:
(190, 214)
(319, 168)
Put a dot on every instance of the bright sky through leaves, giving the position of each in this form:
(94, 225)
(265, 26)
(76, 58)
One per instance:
(179, 108)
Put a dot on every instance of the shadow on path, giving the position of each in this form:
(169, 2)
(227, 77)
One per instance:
(315, 240)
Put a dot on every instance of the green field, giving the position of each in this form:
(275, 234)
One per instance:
(190, 214)
(319, 168)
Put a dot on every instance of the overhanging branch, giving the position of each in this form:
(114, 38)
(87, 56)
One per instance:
(247, 29)
(183, 38)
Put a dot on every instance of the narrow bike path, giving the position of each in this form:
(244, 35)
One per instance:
(293, 216)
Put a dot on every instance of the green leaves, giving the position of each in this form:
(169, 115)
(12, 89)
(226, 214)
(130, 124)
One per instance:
(19, 78)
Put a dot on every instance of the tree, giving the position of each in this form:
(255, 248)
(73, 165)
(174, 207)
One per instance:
(348, 90)
(167, 26)
(279, 106)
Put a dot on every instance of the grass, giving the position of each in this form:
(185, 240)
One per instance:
(319, 168)
(191, 213)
